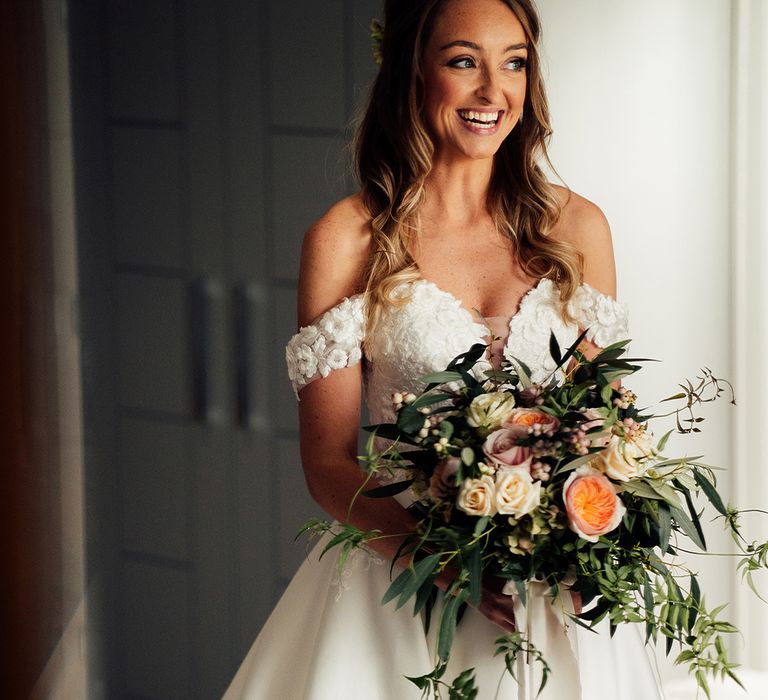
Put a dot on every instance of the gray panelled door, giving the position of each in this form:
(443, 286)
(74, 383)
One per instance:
(209, 134)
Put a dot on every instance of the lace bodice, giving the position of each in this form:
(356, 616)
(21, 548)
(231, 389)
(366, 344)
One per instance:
(433, 327)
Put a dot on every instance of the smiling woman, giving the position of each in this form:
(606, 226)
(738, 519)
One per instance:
(472, 89)
(455, 225)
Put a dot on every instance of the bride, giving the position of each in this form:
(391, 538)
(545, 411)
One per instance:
(455, 237)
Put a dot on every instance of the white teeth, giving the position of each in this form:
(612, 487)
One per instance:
(484, 117)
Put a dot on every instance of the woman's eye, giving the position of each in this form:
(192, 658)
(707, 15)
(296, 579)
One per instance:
(463, 62)
(517, 64)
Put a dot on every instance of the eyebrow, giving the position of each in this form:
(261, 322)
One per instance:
(477, 47)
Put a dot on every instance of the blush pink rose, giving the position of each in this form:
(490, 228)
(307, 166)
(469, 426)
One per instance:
(502, 450)
(592, 504)
(522, 422)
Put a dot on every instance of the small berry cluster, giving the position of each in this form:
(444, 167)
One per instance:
(540, 471)
(625, 398)
(631, 429)
(578, 440)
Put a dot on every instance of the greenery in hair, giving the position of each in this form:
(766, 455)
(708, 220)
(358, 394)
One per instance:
(377, 40)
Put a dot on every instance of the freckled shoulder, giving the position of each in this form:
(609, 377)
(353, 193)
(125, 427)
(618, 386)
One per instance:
(334, 255)
(583, 224)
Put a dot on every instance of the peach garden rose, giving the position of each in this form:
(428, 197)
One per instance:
(592, 504)
(524, 421)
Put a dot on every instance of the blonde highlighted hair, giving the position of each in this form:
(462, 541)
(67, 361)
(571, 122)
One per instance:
(394, 150)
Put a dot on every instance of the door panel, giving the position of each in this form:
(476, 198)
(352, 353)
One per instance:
(143, 59)
(147, 206)
(153, 356)
(307, 69)
(155, 640)
(308, 173)
(155, 479)
(210, 135)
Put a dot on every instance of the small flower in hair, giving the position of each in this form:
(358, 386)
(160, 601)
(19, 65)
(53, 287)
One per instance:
(377, 39)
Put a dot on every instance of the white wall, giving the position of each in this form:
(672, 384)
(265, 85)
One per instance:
(647, 126)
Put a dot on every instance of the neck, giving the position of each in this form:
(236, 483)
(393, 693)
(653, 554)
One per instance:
(457, 192)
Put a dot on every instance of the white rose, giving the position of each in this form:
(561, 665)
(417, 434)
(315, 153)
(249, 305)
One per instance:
(476, 496)
(488, 411)
(625, 459)
(516, 492)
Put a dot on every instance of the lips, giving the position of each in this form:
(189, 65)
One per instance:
(480, 122)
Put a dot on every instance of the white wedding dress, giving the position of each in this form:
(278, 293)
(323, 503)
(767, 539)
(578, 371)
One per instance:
(329, 638)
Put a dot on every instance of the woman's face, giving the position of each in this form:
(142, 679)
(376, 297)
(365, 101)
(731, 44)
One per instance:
(474, 78)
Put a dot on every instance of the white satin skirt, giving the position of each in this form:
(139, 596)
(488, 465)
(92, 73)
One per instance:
(331, 639)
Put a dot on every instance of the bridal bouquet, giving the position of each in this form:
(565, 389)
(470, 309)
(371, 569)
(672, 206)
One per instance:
(560, 483)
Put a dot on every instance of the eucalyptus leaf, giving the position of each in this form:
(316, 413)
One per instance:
(389, 431)
(554, 349)
(448, 623)
(398, 585)
(687, 526)
(443, 377)
(665, 525)
(410, 420)
(430, 399)
(709, 489)
(421, 571)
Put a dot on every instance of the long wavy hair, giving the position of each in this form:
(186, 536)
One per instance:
(394, 150)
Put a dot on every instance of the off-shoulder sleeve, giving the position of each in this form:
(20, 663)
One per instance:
(604, 318)
(332, 341)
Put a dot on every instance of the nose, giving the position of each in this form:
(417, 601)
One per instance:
(488, 88)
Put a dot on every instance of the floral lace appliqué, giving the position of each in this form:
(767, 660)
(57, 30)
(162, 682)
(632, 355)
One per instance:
(332, 341)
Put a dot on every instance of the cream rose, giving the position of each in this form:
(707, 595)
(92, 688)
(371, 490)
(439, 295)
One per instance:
(624, 459)
(476, 496)
(523, 421)
(502, 450)
(516, 492)
(488, 411)
(592, 504)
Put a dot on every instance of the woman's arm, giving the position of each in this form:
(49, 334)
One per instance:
(334, 253)
(583, 225)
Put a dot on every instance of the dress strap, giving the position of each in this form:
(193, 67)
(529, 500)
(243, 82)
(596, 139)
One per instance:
(332, 341)
(604, 318)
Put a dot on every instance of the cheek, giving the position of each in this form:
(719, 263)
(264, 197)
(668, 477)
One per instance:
(441, 94)
(516, 94)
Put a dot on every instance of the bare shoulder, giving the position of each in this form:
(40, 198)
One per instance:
(583, 225)
(334, 254)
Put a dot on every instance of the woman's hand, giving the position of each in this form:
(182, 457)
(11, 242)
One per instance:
(498, 607)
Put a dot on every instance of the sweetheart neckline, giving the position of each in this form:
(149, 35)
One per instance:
(474, 312)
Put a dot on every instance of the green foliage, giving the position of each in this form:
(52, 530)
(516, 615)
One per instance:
(622, 578)
(515, 643)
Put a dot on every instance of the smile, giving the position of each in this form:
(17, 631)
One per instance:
(479, 122)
